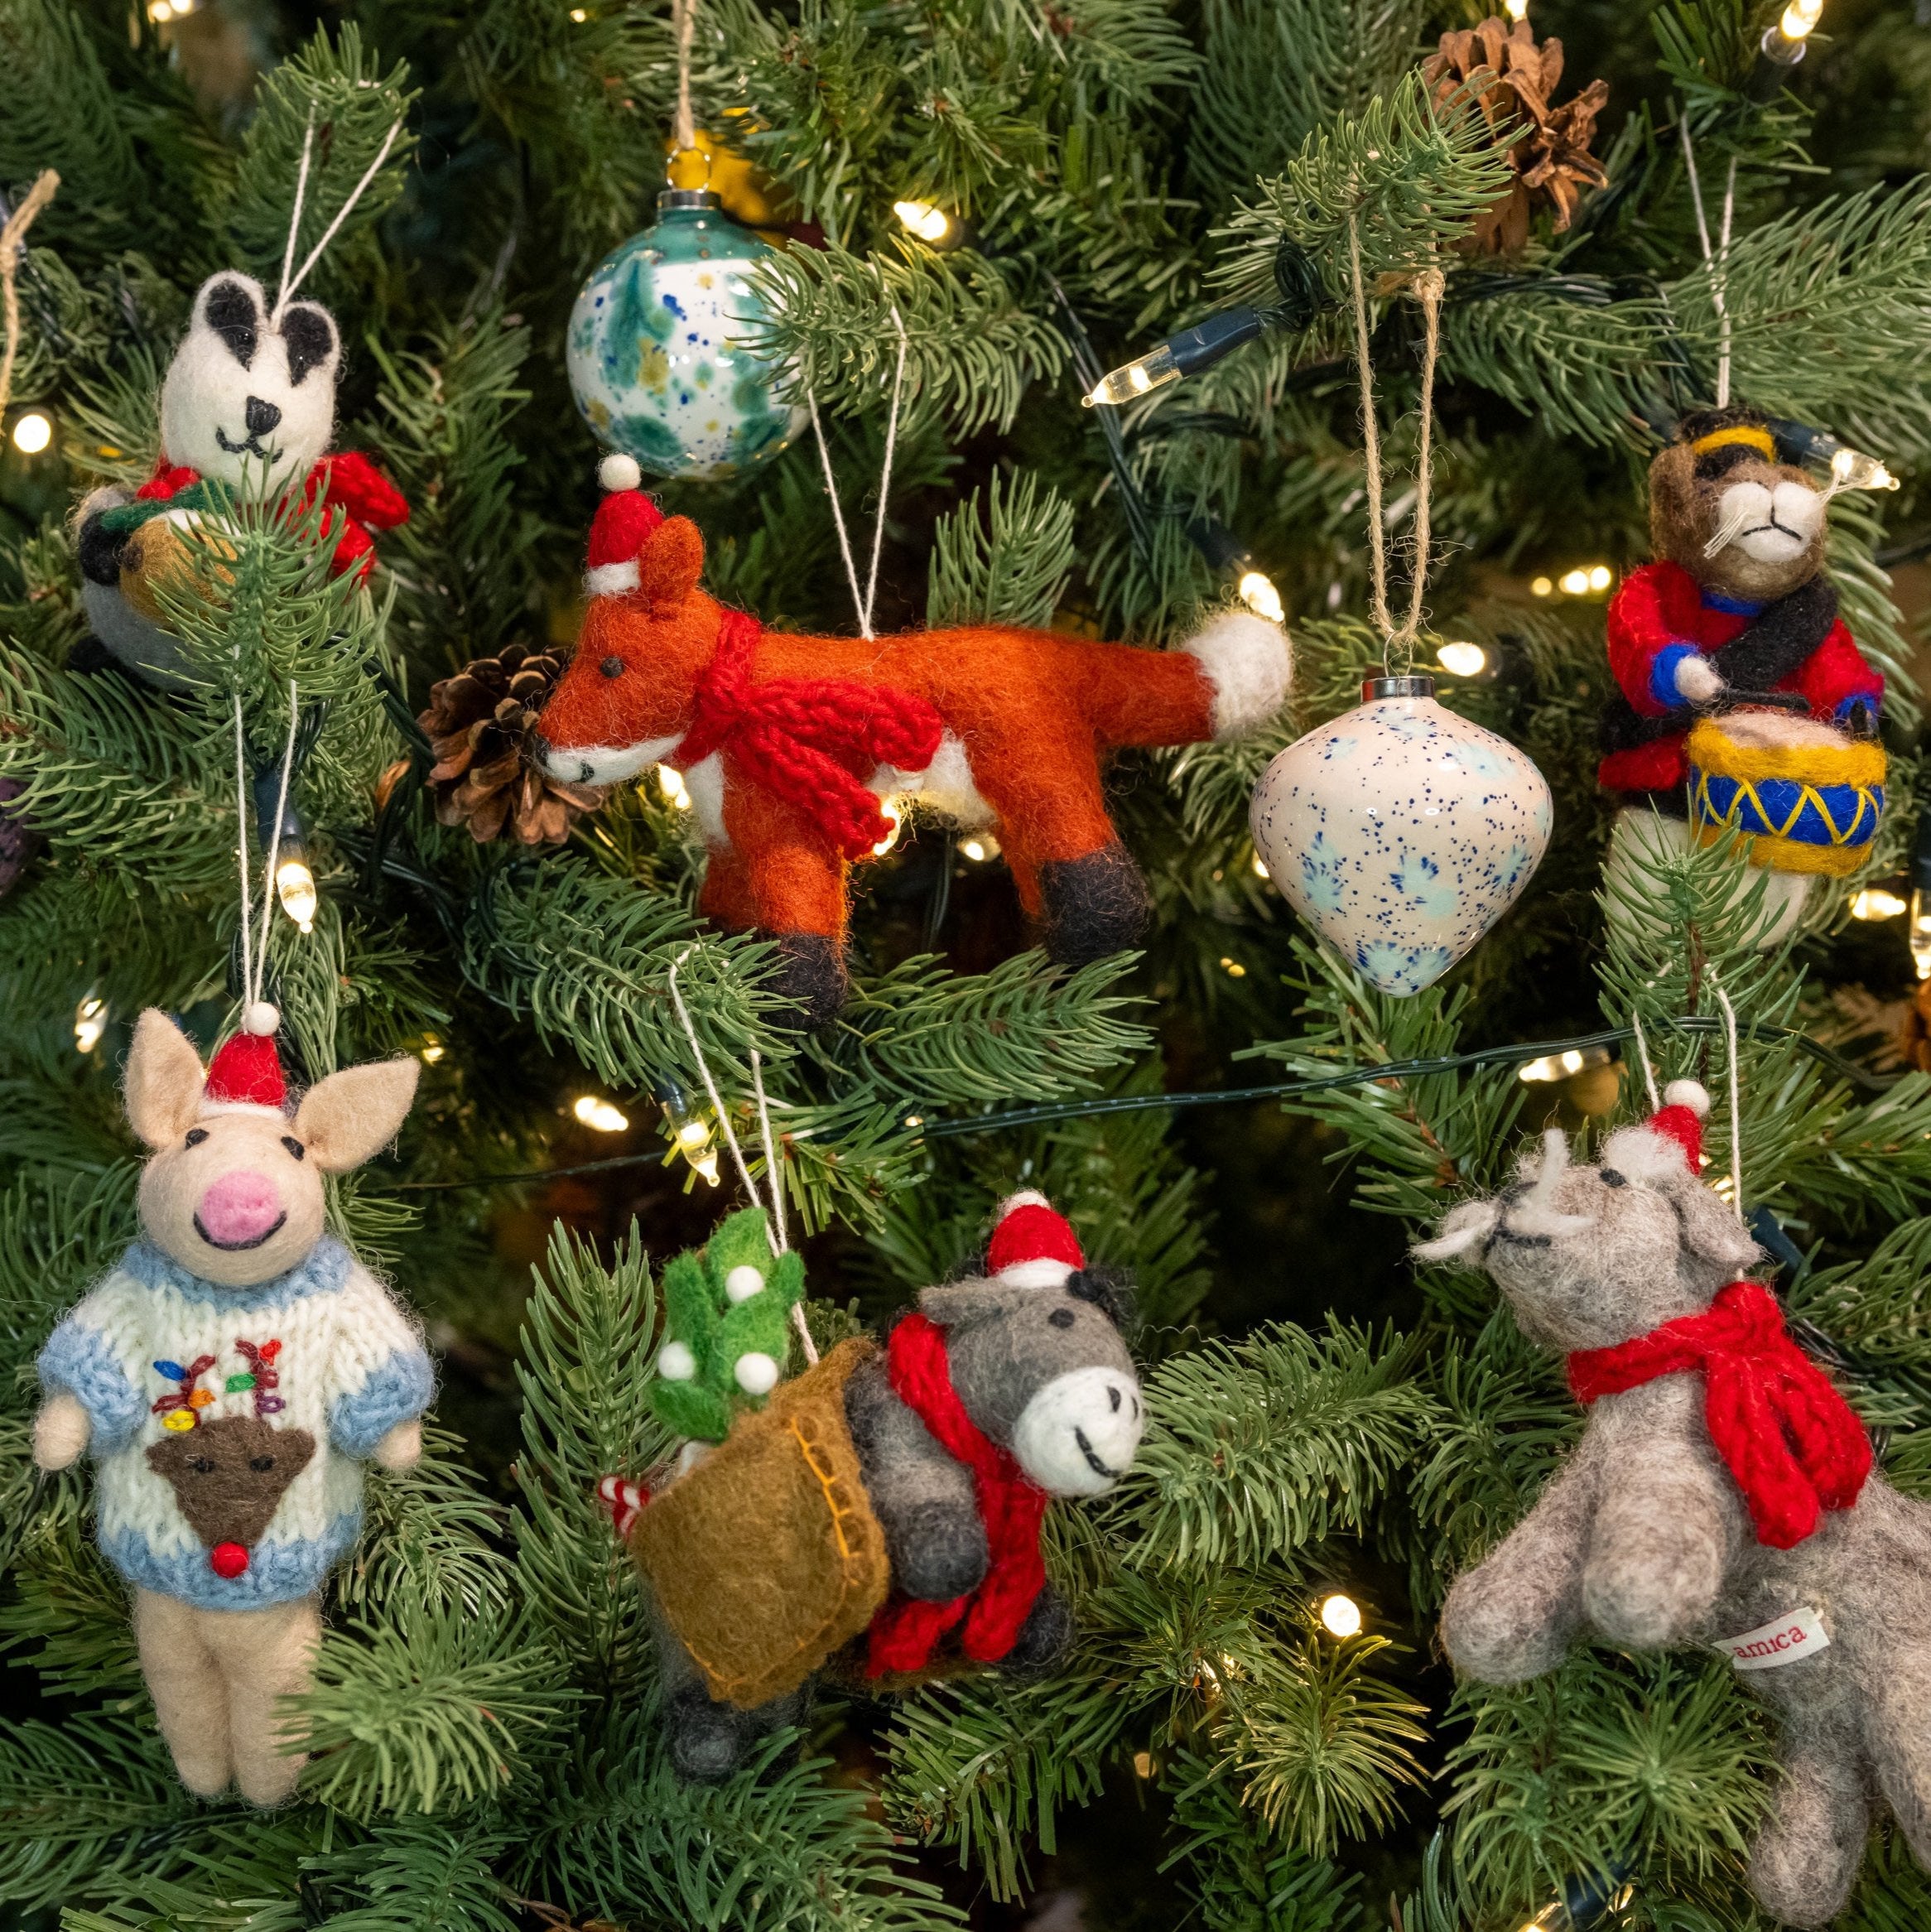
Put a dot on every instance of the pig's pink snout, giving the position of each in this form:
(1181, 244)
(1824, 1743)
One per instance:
(240, 1207)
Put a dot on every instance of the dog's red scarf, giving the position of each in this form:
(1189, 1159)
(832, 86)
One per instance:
(811, 740)
(1794, 1445)
(904, 1633)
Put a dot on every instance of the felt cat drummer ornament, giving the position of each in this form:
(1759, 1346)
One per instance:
(231, 1377)
(788, 743)
(1722, 1495)
(1743, 700)
(881, 1513)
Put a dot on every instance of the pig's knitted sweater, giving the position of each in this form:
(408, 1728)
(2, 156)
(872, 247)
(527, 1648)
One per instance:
(347, 1367)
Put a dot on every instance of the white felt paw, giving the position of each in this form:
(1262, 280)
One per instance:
(59, 1433)
(1698, 679)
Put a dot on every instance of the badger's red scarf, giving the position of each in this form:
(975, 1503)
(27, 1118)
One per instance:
(1794, 1445)
(904, 1632)
(811, 740)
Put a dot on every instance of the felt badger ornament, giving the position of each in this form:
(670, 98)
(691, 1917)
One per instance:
(892, 1494)
(1743, 700)
(231, 1375)
(1722, 1494)
(788, 743)
(248, 404)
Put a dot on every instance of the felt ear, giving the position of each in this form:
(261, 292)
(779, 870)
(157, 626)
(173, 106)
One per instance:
(1711, 1228)
(671, 562)
(233, 306)
(342, 1120)
(163, 1082)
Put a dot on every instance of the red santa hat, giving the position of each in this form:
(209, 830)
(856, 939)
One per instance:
(1670, 1141)
(245, 1075)
(1033, 1246)
(625, 520)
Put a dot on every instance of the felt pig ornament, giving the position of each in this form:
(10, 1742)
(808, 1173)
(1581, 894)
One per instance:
(888, 1503)
(1722, 1494)
(231, 1375)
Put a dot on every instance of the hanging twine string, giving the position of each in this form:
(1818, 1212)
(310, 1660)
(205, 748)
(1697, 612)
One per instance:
(291, 283)
(1717, 260)
(775, 1211)
(275, 842)
(683, 23)
(863, 600)
(12, 245)
(1736, 1095)
(1428, 288)
(1642, 1045)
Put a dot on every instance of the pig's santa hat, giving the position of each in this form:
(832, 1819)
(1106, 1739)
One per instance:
(1670, 1141)
(622, 526)
(245, 1075)
(1032, 1246)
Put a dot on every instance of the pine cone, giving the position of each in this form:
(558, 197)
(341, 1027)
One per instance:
(1548, 147)
(480, 724)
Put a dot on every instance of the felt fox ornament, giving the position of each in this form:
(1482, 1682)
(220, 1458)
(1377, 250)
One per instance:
(232, 1375)
(1722, 1495)
(788, 743)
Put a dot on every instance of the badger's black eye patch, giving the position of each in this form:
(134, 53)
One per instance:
(230, 313)
(310, 338)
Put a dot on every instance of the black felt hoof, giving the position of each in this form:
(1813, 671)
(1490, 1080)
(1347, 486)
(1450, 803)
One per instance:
(709, 1741)
(90, 655)
(1094, 907)
(1044, 1638)
(811, 976)
(937, 1551)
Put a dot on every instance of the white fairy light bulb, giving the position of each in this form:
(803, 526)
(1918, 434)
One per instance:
(1257, 591)
(671, 783)
(294, 886)
(32, 432)
(1573, 583)
(1800, 17)
(1920, 932)
(1600, 576)
(1874, 903)
(1518, 9)
(931, 225)
(893, 814)
(1463, 660)
(1341, 1617)
(1132, 380)
(1852, 469)
(599, 1115)
(90, 1022)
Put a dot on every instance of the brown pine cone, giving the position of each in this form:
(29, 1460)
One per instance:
(480, 724)
(1548, 147)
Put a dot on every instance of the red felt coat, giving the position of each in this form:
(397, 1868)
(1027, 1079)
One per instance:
(1661, 616)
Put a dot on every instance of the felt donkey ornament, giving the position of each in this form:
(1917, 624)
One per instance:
(1721, 1494)
(788, 743)
(231, 1376)
(248, 411)
(891, 1500)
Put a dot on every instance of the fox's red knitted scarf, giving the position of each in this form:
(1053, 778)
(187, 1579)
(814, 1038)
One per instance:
(811, 741)
(904, 1633)
(1794, 1445)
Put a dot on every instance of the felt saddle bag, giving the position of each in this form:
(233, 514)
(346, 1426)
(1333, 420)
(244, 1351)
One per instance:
(766, 1556)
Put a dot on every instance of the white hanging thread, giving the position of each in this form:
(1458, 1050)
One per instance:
(683, 127)
(1718, 260)
(774, 1213)
(254, 965)
(1736, 1098)
(863, 600)
(1643, 1054)
(290, 283)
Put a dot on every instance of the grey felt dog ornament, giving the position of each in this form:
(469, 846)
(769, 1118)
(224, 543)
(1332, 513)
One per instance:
(894, 1495)
(231, 1375)
(1722, 1494)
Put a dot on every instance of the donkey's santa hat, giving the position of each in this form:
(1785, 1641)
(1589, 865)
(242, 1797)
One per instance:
(624, 519)
(1032, 1246)
(1672, 1138)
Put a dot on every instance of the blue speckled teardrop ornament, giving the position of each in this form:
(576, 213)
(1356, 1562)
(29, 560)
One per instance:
(655, 347)
(1402, 832)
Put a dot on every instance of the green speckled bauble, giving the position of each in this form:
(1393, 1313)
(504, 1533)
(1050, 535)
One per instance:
(655, 348)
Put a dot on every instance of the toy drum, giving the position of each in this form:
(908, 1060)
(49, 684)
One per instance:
(1806, 797)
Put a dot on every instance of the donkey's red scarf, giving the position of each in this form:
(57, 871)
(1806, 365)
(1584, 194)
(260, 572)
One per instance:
(1794, 1445)
(1012, 1508)
(811, 740)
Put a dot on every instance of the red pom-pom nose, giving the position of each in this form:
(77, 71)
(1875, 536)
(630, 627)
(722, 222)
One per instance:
(227, 1560)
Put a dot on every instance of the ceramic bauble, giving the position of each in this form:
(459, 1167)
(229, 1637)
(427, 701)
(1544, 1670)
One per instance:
(1401, 832)
(656, 347)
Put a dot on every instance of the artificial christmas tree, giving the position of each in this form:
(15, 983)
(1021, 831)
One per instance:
(984, 211)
